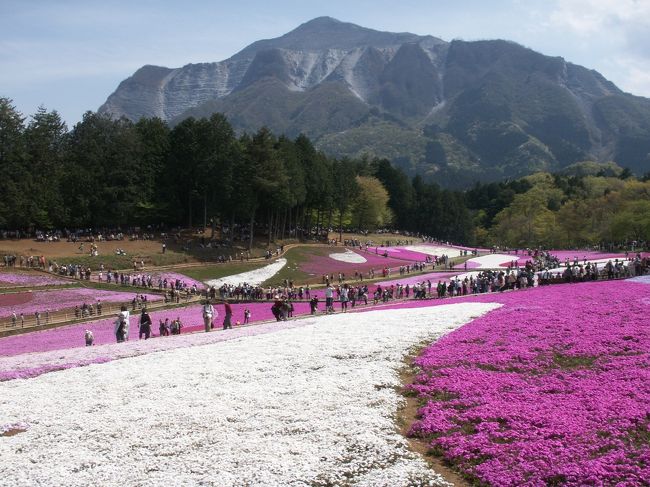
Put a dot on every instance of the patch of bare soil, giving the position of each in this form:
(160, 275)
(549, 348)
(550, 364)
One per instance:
(69, 249)
(13, 432)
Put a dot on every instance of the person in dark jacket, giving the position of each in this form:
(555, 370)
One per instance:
(145, 324)
(228, 316)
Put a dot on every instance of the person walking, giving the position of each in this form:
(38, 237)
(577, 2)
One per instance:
(228, 316)
(344, 298)
(329, 299)
(145, 324)
(208, 315)
(121, 328)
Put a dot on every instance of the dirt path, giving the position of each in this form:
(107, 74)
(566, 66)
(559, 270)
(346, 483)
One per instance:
(70, 249)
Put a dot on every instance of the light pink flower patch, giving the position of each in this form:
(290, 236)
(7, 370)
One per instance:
(401, 253)
(411, 279)
(73, 336)
(32, 279)
(318, 265)
(29, 302)
(581, 255)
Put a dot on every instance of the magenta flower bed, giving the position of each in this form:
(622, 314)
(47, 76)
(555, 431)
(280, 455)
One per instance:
(321, 264)
(581, 255)
(411, 279)
(172, 276)
(468, 265)
(553, 388)
(18, 279)
(29, 302)
(73, 336)
(398, 253)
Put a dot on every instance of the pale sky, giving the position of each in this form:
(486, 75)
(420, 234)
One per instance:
(69, 55)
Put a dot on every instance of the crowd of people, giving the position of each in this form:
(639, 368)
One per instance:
(122, 324)
(540, 268)
(27, 261)
(248, 292)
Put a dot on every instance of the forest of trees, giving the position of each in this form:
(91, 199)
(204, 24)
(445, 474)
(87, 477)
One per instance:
(110, 173)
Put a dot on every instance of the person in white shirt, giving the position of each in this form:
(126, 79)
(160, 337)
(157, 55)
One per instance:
(122, 325)
(208, 315)
(329, 299)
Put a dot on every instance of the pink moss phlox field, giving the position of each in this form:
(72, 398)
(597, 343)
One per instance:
(398, 253)
(320, 264)
(581, 255)
(29, 302)
(468, 265)
(73, 336)
(411, 279)
(552, 388)
(19, 279)
(173, 276)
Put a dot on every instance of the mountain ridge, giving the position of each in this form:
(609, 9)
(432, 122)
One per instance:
(457, 111)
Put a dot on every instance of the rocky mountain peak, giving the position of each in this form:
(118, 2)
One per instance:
(461, 111)
(324, 33)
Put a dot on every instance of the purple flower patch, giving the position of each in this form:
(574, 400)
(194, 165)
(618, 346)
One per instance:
(34, 279)
(29, 302)
(552, 388)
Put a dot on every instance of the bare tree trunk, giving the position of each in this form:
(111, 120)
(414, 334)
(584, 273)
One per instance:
(205, 210)
(340, 226)
(189, 205)
(270, 227)
(308, 225)
(252, 231)
(289, 224)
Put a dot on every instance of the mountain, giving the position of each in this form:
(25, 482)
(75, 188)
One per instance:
(455, 111)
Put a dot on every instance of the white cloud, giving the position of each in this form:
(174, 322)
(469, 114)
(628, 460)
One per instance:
(635, 76)
(601, 17)
(615, 32)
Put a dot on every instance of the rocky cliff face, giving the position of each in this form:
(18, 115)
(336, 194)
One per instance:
(458, 111)
(317, 51)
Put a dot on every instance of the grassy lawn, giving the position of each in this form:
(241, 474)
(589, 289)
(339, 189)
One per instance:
(117, 262)
(378, 238)
(217, 271)
(109, 261)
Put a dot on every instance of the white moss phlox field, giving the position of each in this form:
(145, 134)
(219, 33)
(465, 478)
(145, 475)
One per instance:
(254, 277)
(349, 257)
(312, 405)
(491, 261)
(434, 250)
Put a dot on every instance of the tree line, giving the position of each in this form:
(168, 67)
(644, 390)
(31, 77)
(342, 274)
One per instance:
(563, 211)
(109, 173)
(200, 173)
